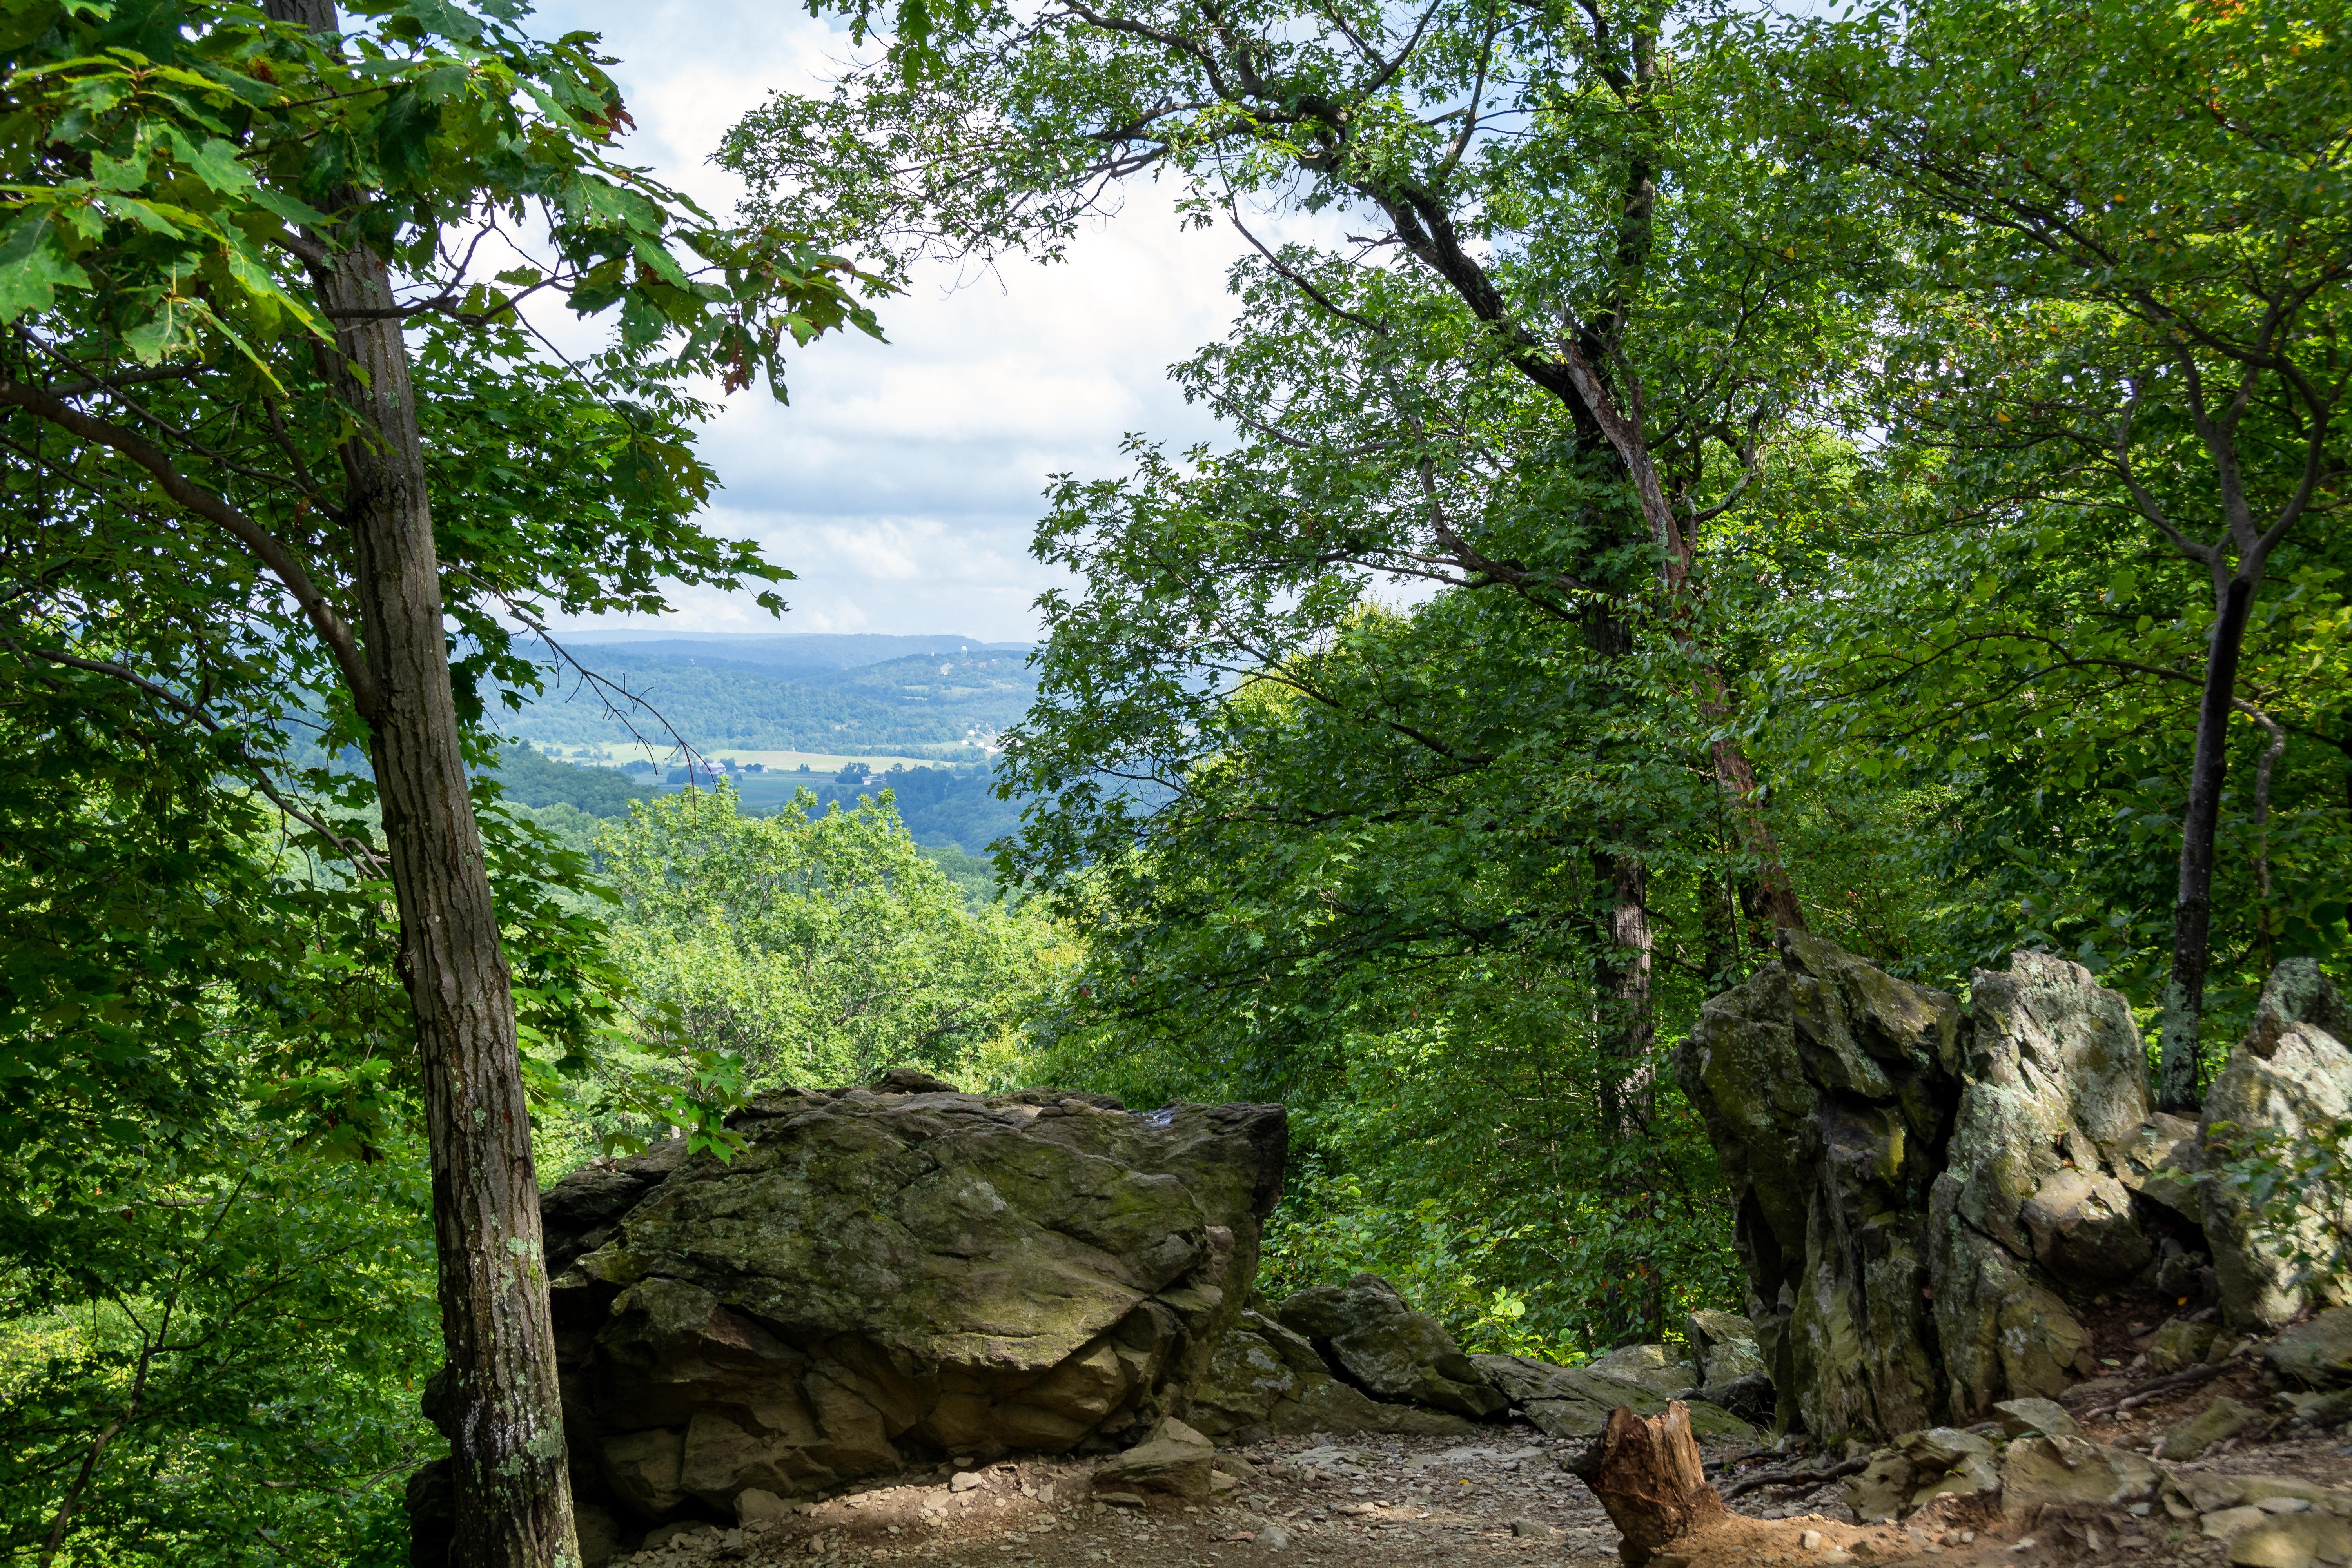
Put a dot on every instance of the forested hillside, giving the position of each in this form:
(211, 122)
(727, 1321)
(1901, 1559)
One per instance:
(1688, 480)
(924, 705)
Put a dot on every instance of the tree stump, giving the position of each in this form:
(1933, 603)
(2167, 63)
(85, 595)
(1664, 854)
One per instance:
(1648, 1475)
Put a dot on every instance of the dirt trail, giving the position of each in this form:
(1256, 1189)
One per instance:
(1403, 1503)
(1362, 1502)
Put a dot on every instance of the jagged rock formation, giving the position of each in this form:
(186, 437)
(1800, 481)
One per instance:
(894, 1274)
(2290, 1074)
(2055, 1092)
(1921, 1189)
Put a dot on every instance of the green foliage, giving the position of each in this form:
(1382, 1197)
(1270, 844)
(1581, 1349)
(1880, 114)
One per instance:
(817, 949)
(528, 779)
(2299, 1189)
(230, 1335)
(2110, 368)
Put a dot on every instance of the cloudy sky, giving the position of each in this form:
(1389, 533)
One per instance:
(903, 482)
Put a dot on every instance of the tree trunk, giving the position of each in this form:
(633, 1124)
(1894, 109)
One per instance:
(1649, 1476)
(498, 1403)
(2192, 914)
(1634, 1302)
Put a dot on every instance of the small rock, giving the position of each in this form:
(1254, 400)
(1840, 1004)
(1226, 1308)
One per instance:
(2284, 1504)
(1811, 1540)
(2225, 1417)
(2291, 1540)
(2047, 1417)
(2179, 1345)
(1882, 1491)
(1274, 1538)
(2223, 1524)
(1121, 1499)
(1941, 1448)
(1220, 1482)
(1975, 1476)
(1173, 1458)
(1527, 1527)
(2318, 1355)
(2063, 1470)
(754, 1506)
(965, 1482)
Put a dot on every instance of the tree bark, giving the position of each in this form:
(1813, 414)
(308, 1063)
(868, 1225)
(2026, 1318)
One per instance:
(1634, 1303)
(2192, 914)
(1625, 976)
(1649, 1476)
(498, 1403)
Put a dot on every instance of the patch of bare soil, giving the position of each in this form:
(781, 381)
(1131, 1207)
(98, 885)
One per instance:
(1359, 1501)
(1501, 1499)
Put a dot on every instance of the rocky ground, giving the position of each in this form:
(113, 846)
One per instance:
(1504, 1497)
(1402, 1500)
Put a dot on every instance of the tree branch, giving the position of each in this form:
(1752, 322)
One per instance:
(280, 561)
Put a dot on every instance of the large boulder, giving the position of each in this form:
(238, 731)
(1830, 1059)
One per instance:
(884, 1277)
(1892, 1156)
(1375, 1338)
(1827, 1089)
(2291, 1073)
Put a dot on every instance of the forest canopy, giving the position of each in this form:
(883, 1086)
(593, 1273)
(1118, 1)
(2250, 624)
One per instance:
(1686, 474)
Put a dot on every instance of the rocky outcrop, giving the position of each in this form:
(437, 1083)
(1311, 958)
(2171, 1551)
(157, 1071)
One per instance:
(1356, 1358)
(2291, 1075)
(1827, 1087)
(1920, 1188)
(883, 1276)
(2055, 1093)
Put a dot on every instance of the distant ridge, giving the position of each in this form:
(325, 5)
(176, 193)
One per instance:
(808, 651)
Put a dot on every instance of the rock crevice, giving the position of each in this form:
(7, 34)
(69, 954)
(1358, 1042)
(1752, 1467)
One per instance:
(1923, 1189)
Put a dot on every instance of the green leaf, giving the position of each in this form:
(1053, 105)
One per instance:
(34, 266)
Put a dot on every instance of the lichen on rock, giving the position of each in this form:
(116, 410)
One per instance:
(883, 1276)
(1920, 1187)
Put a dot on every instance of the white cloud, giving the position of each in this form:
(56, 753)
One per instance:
(903, 482)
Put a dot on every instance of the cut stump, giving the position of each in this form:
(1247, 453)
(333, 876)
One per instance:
(1648, 1475)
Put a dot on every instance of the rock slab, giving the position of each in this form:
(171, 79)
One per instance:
(1375, 1339)
(894, 1275)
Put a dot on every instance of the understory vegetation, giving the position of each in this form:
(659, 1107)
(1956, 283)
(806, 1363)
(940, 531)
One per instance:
(1688, 474)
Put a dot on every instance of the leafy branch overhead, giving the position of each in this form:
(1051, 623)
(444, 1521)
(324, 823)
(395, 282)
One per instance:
(175, 175)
